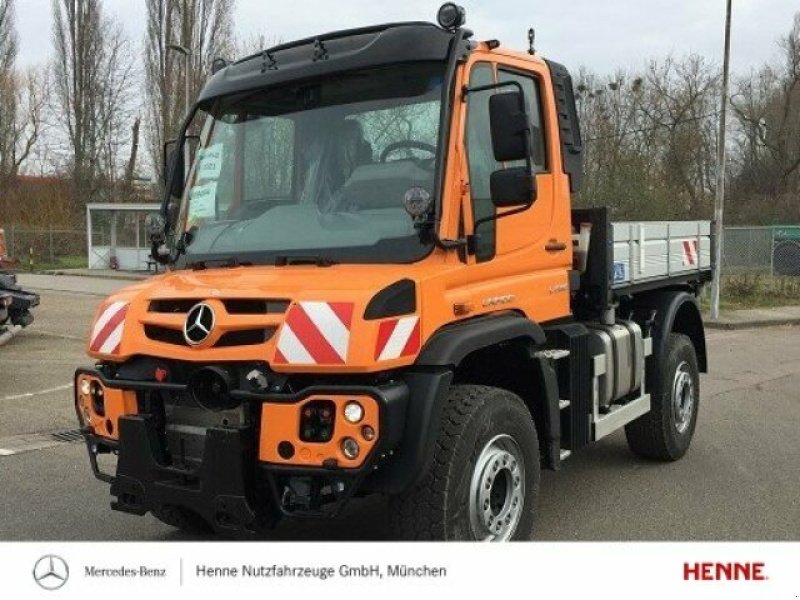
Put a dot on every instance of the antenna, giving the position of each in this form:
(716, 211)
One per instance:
(531, 38)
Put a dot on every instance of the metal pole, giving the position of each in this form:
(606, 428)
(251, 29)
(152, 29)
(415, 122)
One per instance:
(719, 200)
(772, 252)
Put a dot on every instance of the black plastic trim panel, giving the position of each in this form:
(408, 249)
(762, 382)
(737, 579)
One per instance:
(453, 342)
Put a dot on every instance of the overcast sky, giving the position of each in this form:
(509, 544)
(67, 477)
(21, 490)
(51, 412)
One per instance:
(601, 34)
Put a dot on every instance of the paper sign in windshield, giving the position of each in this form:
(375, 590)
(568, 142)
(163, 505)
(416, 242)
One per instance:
(210, 164)
(202, 199)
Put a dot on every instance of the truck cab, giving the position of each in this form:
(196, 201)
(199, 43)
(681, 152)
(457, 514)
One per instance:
(376, 283)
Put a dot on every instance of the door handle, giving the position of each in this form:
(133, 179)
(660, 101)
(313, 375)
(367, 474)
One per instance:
(555, 246)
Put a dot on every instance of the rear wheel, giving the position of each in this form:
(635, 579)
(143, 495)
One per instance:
(666, 431)
(483, 480)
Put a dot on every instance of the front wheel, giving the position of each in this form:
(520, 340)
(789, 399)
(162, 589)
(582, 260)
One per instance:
(483, 479)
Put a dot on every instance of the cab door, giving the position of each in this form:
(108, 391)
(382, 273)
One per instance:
(524, 257)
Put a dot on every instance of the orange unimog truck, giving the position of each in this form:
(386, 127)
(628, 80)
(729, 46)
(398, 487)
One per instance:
(376, 285)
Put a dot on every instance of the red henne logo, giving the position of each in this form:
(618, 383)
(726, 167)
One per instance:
(724, 571)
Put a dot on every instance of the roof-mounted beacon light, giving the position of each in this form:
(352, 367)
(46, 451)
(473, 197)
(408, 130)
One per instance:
(451, 16)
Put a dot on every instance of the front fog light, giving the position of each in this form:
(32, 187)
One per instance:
(353, 412)
(86, 387)
(350, 448)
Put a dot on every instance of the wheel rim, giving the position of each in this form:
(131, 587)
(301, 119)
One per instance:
(682, 397)
(497, 490)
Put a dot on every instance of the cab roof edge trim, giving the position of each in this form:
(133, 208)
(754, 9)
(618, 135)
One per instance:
(347, 50)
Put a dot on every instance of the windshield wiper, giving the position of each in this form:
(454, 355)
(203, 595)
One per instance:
(284, 260)
(231, 261)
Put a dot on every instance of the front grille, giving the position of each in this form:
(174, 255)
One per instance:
(165, 334)
(172, 306)
(234, 306)
(255, 307)
(244, 337)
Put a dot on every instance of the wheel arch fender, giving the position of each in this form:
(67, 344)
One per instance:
(429, 381)
(454, 342)
(675, 311)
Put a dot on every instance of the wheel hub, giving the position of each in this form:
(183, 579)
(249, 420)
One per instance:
(682, 397)
(497, 490)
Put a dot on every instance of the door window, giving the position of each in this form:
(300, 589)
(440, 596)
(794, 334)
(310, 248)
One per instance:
(479, 147)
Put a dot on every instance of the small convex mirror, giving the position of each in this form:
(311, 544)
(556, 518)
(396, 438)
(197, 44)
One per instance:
(417, 201)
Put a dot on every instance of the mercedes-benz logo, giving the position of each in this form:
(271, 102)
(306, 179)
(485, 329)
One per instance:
(50, 572)
(199, 324)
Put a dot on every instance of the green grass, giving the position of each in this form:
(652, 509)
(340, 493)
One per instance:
(62, 262)
(757, 290)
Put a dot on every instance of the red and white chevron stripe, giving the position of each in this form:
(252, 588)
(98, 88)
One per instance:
(689, 253)
(315, 333)
(397, 337)
(108, 329)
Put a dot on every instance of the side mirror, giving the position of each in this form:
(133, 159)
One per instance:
(510, 126)
(515, 186)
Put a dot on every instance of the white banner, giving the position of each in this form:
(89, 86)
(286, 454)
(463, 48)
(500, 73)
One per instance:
(394, 570)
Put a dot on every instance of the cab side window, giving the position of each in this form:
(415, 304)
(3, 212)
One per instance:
(530, 86)
(479, 147)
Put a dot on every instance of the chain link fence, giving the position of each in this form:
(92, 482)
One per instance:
(769, 250)
(46, 247)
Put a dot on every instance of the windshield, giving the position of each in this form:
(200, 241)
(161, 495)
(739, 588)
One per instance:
(318, 170)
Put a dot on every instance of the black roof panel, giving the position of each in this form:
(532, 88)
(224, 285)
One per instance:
(332, 53)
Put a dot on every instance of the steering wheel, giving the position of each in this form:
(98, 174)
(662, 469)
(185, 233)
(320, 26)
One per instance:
(406, 144)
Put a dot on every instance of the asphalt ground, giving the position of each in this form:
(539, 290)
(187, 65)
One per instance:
(739, 481)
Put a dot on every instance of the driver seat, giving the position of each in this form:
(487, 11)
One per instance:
(351, 150)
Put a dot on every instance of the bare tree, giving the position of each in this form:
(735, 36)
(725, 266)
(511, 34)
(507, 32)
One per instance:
(93, 73)
(766, 108)
(22, 98)
(650, 139)
(9, 87)
(254, 44)
(204, 28)
(8, 37)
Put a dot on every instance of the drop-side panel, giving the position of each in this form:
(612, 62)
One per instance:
(651, 250)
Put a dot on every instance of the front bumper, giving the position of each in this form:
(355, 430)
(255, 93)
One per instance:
(232, 490)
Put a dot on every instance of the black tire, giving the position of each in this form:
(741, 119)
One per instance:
(183, 519)
(665, 432)
(475, 420)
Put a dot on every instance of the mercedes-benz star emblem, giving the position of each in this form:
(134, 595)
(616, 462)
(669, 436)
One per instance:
(199, 324)
(50, 572)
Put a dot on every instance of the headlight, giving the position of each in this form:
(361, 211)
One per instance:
(353, 412)
(86, 387)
